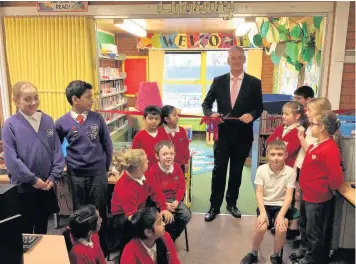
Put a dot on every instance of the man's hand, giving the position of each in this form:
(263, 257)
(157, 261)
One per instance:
(49, 185)
(246, 118)
(186, 168)
(170, 208)
(280, 223)
(215, 115)
(261, 219)
(174, 205)
(168, 217)
(40, 184)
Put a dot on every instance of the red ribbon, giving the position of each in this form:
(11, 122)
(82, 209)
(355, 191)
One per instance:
(212, 124)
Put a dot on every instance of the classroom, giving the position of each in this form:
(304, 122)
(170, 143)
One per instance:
(103, 100)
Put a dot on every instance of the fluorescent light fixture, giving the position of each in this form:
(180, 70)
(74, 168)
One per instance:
(131, 27)
(244, 27)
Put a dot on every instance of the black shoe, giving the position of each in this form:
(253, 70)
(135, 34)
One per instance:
(249, 259)
(291, 234)
(234, 211)
(211, 214)
(276, 260)
(273, 230)
(296, 256)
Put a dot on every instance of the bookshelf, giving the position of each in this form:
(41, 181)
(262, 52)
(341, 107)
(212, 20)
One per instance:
(112, 88)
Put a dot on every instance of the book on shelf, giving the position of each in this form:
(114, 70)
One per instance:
(108, 73)
(269, 123)
(108, 88)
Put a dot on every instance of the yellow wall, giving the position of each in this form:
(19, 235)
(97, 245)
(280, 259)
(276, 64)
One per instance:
(254, 62)
(156, 67)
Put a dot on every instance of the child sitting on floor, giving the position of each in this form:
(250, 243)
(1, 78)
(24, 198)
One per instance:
(169, 176)
(82, 236)
(275, 183)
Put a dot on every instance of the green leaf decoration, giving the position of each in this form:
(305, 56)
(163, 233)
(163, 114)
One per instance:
(275, 59)
(317, 21)
(272, 34)
(280, 49)
(292, 50)
(275, 19)
(298, 66)
(296, 32)
(290, 61)
(257, 40)
(265, 28)
(308, 53)
(283, 33)
(305, 29)
(318, 58)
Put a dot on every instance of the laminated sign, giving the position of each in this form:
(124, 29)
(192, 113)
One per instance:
(62, 6)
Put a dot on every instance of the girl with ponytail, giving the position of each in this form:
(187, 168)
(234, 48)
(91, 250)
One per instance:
(150, 244)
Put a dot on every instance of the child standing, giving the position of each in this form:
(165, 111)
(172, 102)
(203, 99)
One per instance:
(33, 157)
(320, 175)
(169, 176)
(275, 183)
(293, 115)
(132, 190)
(314, 107)
(150, 243)
(89, 152)
(177, 135)
(82, 236)
(303, 95)
(148, 138)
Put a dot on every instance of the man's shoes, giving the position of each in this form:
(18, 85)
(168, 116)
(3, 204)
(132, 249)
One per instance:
(211, 214)
(296, 256)
(291, 234)
(276, 259)
(249, 259)
(234, 211)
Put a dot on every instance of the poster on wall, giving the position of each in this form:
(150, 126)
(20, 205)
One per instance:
(62, 6)
(312, 76)
(193, 41)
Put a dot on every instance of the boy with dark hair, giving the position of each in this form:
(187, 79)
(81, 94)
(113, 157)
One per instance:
(89, 151)
(147, 139)
(275, 183)
(303, 95)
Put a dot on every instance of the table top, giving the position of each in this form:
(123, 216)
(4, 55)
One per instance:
(348, 192)
(49, 249)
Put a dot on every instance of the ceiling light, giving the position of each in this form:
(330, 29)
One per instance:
(131, 27)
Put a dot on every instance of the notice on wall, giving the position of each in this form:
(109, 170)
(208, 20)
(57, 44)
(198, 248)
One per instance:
(193, 41)
(62, 6)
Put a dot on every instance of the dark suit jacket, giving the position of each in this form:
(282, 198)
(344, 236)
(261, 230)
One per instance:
(249, 101)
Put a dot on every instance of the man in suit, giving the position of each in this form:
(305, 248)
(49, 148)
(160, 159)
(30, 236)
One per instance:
(237, 95)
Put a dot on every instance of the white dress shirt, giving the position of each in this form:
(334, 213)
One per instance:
(171, 131)
(152, 252)
(34, 120)
(87, 243)
(287, 129)
(170, 170)
(139, 181)
(74, 115)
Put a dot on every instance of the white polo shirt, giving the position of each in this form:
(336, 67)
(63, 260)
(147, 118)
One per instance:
(275, 186)
(301, 154)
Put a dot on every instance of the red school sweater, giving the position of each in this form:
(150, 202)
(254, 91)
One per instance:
(129, 196)
(321, 172)
(292, 140)
(181, 145)
(135, 253)
(81, 254)
(172, 184)
(145, 141)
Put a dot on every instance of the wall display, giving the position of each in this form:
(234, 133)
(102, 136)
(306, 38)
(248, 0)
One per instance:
(193, 41)
(62, 6)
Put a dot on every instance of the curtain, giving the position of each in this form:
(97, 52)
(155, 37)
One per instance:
(50, 52)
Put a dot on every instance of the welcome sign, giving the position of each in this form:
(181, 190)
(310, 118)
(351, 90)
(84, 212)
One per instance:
(193, 41)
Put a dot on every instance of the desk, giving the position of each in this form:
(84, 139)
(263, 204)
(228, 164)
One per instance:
(49, 249)
(348, 192)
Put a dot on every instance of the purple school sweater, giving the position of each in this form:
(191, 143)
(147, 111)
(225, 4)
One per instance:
(90, 149)
(30, 155)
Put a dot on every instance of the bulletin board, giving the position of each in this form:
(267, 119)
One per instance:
(136, 68)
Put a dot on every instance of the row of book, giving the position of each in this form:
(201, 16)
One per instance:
(109, 116)
(269, 123)
(108, 73)
(107, 88)
(113, 101)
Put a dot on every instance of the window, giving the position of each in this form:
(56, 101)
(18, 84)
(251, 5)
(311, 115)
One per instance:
(188, 76)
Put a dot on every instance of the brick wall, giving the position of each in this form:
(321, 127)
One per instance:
(347, 97)
(127, 44)
(267, 74)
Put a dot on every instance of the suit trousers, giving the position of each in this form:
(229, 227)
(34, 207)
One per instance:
(223, 152)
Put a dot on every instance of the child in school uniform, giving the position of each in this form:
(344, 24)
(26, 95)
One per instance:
(33, 158)
(303, 95)
(82, 236)
(293, 116)
(147, 139)
(89, 152)
(131, 192)
(314, 107)
(177, 135)
(150, 244)
(275, 183)
(320, 175)
(169, 176)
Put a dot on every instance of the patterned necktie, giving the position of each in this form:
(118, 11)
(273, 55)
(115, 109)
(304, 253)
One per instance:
(80, 119)
(234, 92)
